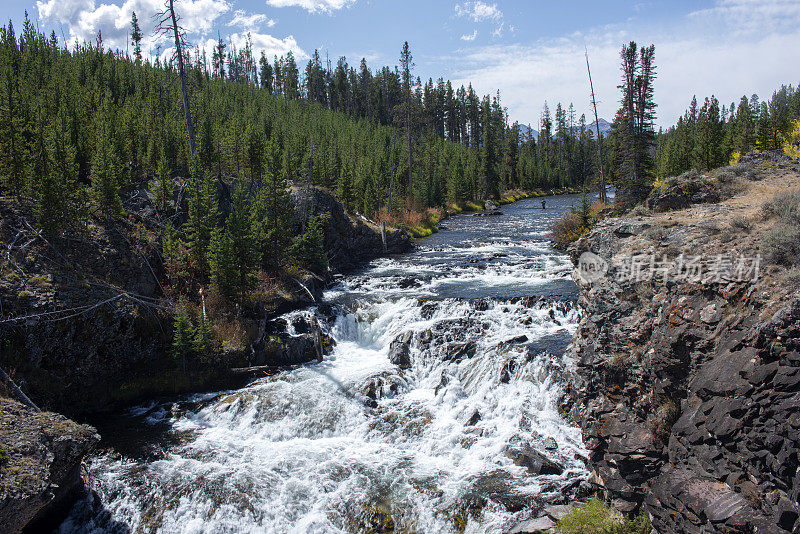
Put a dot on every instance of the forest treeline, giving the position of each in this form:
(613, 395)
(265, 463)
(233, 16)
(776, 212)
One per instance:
(83, 129)
(706, 137)
(81, 125)
(709, 136)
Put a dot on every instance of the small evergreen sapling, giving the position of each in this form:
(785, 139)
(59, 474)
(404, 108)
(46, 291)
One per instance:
(182, 334)
(307, 249)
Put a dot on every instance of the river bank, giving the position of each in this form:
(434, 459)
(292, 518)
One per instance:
(687, 383)
(347, 248)
(437, 409)
(424, 225)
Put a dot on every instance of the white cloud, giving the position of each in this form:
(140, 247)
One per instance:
(250, 22)
(270, 45)
(716, 51)
(479, 11)
(470, 36)
(498, 32)
(313, 6)
(85, 18)
(198, 16)
(63, 11)
(751, 16)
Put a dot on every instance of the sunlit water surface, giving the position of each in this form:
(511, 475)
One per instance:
(307, 451)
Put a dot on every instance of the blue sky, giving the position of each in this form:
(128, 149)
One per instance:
(530, 50)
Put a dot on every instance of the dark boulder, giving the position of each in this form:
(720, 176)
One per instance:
(350, 241)
(534, 461)
(400, 350)
(40, 459)
(459, 351)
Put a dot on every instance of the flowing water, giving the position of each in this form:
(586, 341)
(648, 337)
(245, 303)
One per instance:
(356, 444)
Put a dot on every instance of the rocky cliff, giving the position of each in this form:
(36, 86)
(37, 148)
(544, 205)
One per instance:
(85, 327)
(40, 466)
(687, 384)
(350, 241)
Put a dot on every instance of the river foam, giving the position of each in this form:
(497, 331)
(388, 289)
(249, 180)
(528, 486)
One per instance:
(356, 444)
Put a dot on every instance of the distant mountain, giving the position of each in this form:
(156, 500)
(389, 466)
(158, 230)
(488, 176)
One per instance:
(526, 131)
(604, 127)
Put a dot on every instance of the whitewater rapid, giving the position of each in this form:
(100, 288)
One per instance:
(356, 444)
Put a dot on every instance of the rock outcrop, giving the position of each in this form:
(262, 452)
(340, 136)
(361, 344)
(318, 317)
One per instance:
(350, 241)
(41, 455)
(687, 388)
(95, 334)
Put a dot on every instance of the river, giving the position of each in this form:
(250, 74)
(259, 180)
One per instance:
(357, 444)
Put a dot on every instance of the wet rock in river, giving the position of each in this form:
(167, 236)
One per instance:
(534, 461)
(459, 351)
(539, 525)
(491, 213)
(476, 417)
(400, 350)
(557, 512)
(443, 381)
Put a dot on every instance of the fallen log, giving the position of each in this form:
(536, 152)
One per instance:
(18, 393)
(243, 371)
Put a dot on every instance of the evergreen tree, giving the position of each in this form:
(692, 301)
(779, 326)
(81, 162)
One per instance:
(291, 77)
(636, 130)
(174, 254)
(234, 253)
(181, 334)
(105, 174)
(274, 214)
(203, 342)
(221, 268)
(766, 138)
(136, 37)
(218, 58)
(744, 128)
(265, 73)
(11, 118)
(203, 216)
(407, 64)
(307, 249)
(708, 137)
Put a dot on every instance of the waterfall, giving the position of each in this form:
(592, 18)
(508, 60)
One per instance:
(482, 312)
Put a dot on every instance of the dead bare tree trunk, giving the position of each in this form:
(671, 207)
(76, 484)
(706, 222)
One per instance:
(18, 392)
(603, 198)
(391, 182)
(187, 111)
(410, 159)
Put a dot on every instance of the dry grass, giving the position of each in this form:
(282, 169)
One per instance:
(739, 222)
(416, 223)
(785, 206)
(781, 244)
(573, 224)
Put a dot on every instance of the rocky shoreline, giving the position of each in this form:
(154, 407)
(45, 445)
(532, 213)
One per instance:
(98, 358)
(41, 457)
(687, 390)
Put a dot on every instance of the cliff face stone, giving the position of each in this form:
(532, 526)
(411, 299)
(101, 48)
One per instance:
(688, 391)
(40, 466)
(93, 358)
(350, 241)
